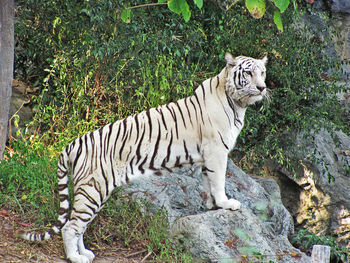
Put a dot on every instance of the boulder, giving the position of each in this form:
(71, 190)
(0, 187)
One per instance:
(259, 230)
(340, 6)
(327, 16)
(318, 194)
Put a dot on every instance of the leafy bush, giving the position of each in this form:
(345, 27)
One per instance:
(28, 182)
(97, 69)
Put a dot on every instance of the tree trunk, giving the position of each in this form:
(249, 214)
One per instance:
(6, 66)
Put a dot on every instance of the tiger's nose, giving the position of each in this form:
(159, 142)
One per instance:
(260, 88)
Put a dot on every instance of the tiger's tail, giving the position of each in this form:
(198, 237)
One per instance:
(62, 174)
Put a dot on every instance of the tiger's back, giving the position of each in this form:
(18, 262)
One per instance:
(154, 141)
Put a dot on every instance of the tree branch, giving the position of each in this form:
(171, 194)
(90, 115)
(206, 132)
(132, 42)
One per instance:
(145, 5)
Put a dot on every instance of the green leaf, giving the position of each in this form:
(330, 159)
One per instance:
(180, 7)
(125, 16)
(277, 19)
(162, 1)
(175, 6)
(186, 11)
(199, 3)
(282, 5)
(16, 121)
(256, 7)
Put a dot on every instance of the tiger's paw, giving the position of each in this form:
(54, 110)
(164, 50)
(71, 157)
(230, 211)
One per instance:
(88, 253)
(231, 204)
(78, 259)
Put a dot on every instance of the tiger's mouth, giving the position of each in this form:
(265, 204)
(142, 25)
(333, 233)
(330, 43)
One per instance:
(244, 99)
(263, 92)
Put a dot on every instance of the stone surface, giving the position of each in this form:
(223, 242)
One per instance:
(331, 19)
(334, 6)
(320, 197)
(340, 6)
(342, 42)
(261, 227)
(19, 106)
(344, 97)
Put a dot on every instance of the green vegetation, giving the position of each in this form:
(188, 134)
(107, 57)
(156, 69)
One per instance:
(28, 181)
(256, 8)
(137, 227)
(91, 68)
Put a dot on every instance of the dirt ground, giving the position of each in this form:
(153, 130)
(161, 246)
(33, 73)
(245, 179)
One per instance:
(14, 249)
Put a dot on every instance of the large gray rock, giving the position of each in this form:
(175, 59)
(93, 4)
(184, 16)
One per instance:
(340, 6)
(319, 196)
(261, 227)
(320, 23)
(335, 6)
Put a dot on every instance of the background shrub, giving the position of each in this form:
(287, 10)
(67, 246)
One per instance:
(92, 68)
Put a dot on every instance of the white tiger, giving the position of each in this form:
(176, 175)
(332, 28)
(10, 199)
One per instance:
(197, 130)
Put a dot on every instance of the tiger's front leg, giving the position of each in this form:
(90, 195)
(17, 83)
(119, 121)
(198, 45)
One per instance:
(215, 161)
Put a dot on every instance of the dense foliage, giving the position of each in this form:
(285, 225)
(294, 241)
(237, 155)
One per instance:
(91, 68)
(256, 8)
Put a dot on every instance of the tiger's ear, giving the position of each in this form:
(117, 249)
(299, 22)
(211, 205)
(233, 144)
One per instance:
(264, 59)
(230, 60)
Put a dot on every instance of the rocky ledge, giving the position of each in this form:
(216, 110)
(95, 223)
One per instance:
(258, 231)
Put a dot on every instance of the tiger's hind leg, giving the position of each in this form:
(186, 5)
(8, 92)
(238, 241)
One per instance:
(73, 242)
(73, 238)
(87, 203)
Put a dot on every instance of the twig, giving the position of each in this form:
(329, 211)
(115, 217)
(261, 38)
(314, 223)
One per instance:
(126, 63)
(144, 5)
(232, 4)
(14, 255)
(18, 204)
(136, 253)
(149, 253)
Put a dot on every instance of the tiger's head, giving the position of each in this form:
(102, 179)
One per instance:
(245, 83)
